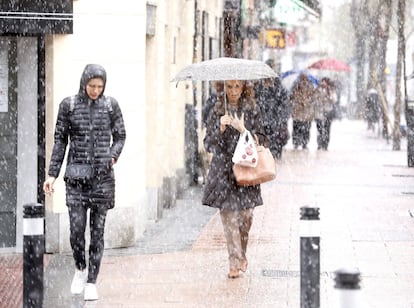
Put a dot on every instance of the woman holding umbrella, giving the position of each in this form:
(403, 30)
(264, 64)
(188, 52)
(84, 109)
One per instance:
(236, 203)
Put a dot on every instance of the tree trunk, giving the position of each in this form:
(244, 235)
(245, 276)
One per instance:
(396, 136)
(386, 11)
(373, 26)
(358, 16)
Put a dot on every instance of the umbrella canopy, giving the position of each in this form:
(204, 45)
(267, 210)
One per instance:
(289, 78)
(330, 64)
(226, 69)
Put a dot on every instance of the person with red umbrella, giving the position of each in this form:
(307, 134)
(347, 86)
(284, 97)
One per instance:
(330, 64)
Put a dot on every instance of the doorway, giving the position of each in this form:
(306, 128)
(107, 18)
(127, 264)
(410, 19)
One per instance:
(18, 133)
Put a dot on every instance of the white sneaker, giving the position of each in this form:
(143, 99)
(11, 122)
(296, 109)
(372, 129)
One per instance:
(78, 281)
(91, 294)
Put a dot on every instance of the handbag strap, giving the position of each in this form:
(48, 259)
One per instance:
(265, 139)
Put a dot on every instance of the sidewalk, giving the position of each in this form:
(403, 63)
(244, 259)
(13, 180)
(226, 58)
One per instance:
(365, 193)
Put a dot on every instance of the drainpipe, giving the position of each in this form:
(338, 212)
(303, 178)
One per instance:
(191, 122)
(195, 46)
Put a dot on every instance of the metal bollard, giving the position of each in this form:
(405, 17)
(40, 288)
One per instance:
(33, 251)
(309, 257)
(347, 288)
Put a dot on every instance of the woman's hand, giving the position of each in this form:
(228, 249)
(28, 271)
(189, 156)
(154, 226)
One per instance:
(238, 123)
(48, 185)
(224, 121)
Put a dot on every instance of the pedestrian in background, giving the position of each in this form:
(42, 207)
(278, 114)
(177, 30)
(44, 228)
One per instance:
(216, 92)
(300, 99)
(372, 108)
(87, 122)
(324, 101)
(272, 98)
(235, 203)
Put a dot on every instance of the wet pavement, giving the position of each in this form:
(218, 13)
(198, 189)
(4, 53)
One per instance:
(365, 193)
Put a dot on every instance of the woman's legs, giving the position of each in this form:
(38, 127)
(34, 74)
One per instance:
(236, 225)
(296, 133)
(77, 220)
(232, 234)
(96, 247)
(319, 137)
(306, 126)
(245, 223)
(328, 123)
(301, 133)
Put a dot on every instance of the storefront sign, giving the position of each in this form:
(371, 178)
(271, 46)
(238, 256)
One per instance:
(275, 38)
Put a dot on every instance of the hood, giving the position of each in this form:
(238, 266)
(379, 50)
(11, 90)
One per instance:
(91, 71)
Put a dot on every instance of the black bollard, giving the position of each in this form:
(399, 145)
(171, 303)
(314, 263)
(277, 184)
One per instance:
(309, 257)
(33, 251)
(347, 288)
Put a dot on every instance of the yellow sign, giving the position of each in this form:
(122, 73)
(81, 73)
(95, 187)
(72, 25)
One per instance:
(275, 38)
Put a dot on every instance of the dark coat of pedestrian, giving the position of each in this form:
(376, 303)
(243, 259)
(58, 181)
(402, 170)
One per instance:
(301, 99)
(324, 102)
(272, 97)
(93, 127)
(236, 203)
(372, 108)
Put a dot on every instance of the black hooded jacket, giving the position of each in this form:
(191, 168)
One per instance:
(94, 129)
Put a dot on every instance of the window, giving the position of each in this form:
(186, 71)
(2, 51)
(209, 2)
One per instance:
(151, 17)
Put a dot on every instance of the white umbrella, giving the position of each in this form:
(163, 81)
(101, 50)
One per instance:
(225, 69)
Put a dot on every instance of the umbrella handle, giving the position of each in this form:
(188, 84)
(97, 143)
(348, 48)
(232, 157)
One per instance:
(225, 98)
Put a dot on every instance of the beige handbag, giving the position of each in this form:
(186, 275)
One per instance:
(265, 170)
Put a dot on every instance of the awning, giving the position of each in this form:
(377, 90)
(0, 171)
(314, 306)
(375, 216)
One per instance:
(36, 17)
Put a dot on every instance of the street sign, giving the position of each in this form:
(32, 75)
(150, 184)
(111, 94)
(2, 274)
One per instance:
(275, 38)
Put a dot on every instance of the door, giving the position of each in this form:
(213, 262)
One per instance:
(8, 141)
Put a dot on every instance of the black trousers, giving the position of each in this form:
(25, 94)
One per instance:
(78, 218)
(324, 131)
(301, 133)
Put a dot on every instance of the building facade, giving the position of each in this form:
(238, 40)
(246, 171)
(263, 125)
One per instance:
(142, 44)
(44, 46)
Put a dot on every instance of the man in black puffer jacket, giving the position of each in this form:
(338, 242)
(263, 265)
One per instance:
(93, 126)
